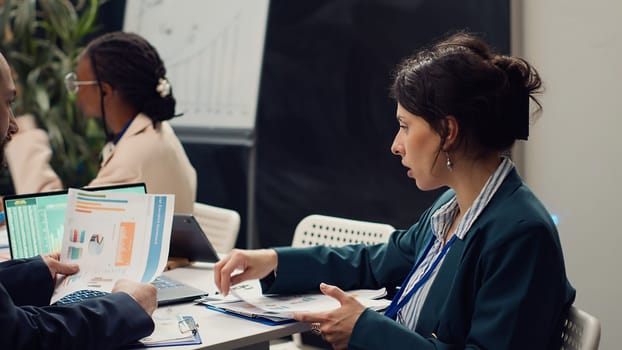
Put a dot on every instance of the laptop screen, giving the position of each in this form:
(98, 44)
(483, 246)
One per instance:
(35, 221)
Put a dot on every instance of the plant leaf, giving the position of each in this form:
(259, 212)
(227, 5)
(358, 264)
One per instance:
(4, 19)
(25, 20)
(86, 22)
(41, 44)
(61, 15)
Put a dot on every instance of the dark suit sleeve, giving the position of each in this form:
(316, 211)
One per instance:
(27, 281)
(102, 323)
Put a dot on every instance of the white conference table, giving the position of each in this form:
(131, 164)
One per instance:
(218, 330)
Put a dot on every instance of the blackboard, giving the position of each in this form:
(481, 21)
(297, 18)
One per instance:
(213, 52)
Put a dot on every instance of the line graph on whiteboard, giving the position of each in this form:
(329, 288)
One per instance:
(212, 50)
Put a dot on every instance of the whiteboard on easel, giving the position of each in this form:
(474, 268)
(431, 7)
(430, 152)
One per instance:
(213, 52)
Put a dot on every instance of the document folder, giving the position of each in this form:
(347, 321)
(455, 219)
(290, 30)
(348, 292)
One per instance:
(170, 330)
(270, 321)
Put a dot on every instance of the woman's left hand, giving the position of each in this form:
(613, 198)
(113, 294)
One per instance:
(335, 326)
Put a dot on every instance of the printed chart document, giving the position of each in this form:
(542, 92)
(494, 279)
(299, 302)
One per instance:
(276, 309)
(114, 235)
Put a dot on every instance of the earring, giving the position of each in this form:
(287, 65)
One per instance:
(450, 164)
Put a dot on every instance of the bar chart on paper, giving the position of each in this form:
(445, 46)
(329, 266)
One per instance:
(212, 50)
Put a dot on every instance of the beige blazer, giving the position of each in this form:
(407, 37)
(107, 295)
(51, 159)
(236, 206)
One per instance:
(143, 154)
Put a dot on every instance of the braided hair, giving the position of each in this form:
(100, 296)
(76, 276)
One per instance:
(134, 69)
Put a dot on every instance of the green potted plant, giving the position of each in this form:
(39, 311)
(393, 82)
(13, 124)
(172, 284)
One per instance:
(42, 40)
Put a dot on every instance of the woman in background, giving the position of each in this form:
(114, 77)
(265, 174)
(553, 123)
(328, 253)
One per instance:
(483, 267)
(121, 79)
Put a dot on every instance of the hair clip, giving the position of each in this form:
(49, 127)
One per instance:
(163, 88)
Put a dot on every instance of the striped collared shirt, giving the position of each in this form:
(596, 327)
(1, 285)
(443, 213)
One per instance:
(441, 221)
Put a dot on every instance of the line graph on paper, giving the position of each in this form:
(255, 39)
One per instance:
(213, 52)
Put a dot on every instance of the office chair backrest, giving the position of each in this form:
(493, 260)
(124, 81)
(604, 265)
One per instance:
(219, 224)
(581, 331)
(333, 231)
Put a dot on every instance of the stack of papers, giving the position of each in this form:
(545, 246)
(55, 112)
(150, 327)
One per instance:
(247, 301)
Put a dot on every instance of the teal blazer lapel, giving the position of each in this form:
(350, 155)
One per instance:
(439, 290)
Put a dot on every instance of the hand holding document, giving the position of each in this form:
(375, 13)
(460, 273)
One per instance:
(113, 236)
(285, 306)
(252, 303)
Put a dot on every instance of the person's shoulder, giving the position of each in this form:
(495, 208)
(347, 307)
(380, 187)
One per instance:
(518, 214)
(525, 205)
(150, 147)
(161, 131)
(143, 134)
(167, 132)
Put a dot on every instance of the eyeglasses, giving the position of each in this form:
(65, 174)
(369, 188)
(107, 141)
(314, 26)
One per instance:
(73, 84)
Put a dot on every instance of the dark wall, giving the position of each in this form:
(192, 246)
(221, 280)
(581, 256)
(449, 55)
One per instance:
(222, 178)
(325, 121)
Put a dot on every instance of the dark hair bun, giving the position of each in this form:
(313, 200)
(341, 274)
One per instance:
(488, 94)
(519, 72)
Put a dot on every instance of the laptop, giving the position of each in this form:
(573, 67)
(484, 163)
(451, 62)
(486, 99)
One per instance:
(170, 291)
(35, 223)
(189, 241)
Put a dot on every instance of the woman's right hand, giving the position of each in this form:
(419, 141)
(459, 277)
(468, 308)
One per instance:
(246, 264)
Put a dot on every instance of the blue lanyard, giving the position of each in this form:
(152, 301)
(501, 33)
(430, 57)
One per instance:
(396, 304)
(119, 135)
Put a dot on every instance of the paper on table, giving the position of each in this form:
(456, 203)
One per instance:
(242, 308)
(112, 236)
(251, 287)
(284, 306)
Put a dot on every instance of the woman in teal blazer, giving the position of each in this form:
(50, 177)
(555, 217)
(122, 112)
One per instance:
(483, 267)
